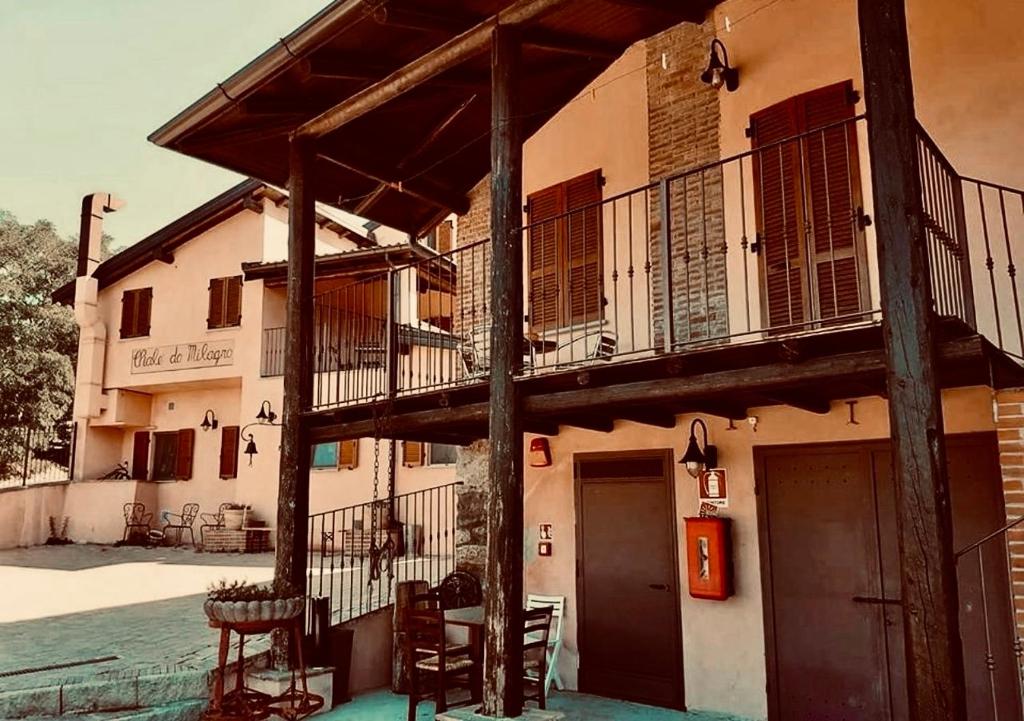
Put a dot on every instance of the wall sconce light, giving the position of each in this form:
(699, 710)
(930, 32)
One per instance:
(209, 421)
(250, 446)
(540, 453)
(697, 459)
(266, 414)
(719, 73)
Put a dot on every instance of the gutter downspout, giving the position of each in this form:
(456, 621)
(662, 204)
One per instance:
(92, 336)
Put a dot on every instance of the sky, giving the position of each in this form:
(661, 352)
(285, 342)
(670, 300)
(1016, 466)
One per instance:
(85, 81)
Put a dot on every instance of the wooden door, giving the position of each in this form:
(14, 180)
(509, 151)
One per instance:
(833, 607)
(807, 200)
(627, 584)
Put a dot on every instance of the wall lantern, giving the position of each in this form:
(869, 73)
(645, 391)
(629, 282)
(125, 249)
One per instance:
(209, 420)
(718, 72)
(540, 453)
(266, 414)
(250, 446)
(697, 459)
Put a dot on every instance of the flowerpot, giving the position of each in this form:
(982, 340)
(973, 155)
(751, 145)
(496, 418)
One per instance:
(234, 518)
(250, 611)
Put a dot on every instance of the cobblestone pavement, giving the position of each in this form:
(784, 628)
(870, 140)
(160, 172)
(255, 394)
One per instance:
(63, 604)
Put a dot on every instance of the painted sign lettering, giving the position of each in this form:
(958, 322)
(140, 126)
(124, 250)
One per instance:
(183, 356)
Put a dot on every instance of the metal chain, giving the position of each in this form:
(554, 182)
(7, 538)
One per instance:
(380, 557)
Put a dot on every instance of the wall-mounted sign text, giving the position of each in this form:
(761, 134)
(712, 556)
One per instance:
(183, 356)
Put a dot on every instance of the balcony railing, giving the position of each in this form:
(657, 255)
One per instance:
(771, 242)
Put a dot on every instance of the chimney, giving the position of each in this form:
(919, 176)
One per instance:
(90, 236)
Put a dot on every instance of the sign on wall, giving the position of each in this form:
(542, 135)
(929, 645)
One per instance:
(183, 356)
(714, 488)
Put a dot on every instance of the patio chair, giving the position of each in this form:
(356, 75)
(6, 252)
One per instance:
(182, 522)
(476, 351)
(459, 589)
(430, 656)
(536, 630)
(557, 606)
(136, 519)
(212, 521)
(597, 344)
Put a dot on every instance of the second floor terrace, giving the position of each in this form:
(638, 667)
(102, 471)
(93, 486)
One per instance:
(747, 281)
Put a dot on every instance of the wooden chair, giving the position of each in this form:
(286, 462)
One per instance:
(459, 589)
(557, 604)
(430, 656)
(536, 629)
(182, 522)
(136, 519)
(212, 521)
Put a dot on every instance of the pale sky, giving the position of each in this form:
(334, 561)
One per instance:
(85, 81)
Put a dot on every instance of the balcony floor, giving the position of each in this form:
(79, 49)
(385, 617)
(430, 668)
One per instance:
(386, 706)
(808, 371)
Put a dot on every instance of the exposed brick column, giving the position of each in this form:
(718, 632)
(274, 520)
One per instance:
(1010, 427)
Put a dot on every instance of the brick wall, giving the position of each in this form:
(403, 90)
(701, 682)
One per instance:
(1010, 427)
(683, 114)
(473, 301)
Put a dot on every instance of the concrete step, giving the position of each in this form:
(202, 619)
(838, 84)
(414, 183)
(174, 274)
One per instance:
(190, 710)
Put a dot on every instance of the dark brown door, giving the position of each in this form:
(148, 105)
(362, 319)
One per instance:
(627, 589)
(833, 608)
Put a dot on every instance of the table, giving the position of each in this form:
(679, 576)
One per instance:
(471, 618)
(540, 345)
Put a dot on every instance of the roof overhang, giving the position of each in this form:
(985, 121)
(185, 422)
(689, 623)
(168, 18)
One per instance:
(411, 158)
(352, 263)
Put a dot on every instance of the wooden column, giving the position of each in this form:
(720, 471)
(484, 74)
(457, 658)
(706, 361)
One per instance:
(503, 634)
(293, 486)
(935, 675)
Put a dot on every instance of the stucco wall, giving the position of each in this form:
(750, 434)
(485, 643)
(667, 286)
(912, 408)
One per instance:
(723, 642)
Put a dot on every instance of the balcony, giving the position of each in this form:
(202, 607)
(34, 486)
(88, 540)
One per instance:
(770, 258)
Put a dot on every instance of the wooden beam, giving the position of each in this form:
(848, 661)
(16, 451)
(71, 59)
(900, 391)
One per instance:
(587, 421)
(934, 655)
(293, 486)
(405, 16)
(404, 423)
(332, 65)
(570, 45)
(649, 417)
(211, 141)
(720, 408)
(164, 255)
(503, 600)
(422, 187)
(471, 43)
(804, 401)
(542, 427)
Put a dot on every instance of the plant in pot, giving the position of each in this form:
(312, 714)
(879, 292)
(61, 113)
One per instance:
(234, 516)
(243, 602)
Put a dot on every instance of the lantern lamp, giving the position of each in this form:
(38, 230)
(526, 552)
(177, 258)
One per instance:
(266, 414)
(697, 459)
(209, 421)
(540, 453)
(718, 72)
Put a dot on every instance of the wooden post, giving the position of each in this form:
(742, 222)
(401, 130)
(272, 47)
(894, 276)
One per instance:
(293, 486)
(935, 672)
(503, 633)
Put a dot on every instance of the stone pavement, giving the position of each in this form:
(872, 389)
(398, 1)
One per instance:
(63, 604)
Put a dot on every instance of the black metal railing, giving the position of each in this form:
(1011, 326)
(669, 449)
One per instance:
(989, 625)
(272, 357)
(358, 553)
(30, 455)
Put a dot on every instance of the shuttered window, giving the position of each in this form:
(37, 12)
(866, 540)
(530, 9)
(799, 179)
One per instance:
(565, 253)
(136, 307)
(412, 453)
(140, 456)
(186, 448)
(348, 454)
(229, 452)
(225, 302)
(443, 235)
(165, 456)
(807, 203)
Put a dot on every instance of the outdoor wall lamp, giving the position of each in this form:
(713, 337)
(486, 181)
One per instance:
(540, 453)
(266, 414)
(209, 420)
(696, 459)
(719, 73)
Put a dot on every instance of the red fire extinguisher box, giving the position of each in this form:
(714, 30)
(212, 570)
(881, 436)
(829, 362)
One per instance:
(709, 557)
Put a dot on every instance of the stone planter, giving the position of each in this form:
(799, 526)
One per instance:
(234, 518)
(278, 609)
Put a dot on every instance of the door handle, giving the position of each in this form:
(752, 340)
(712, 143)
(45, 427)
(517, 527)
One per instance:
(658, 587)
(878, 601)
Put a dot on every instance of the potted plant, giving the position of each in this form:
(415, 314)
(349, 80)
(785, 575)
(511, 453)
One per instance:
(242, 602)
(234, 516)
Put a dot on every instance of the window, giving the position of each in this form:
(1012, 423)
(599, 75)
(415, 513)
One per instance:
(440, 238)
(225, 302)
(807, 204)
(566, 285)
(412, 454)
(325, 455)
(136, 306)
(442, 454)
(172, 454)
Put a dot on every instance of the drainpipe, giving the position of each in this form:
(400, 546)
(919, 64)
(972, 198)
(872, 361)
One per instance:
(92, 336)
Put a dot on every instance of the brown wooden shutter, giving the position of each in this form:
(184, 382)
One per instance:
(127, 313)
(140, 456)
(583, 248)
(444, 237)
(228, 452)
(215, 316)
(412, 453)
(833, 189)
(544, 245)
(143, 310)
(183, 462)
(233, 301)
(348, 454)
(777, 205)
